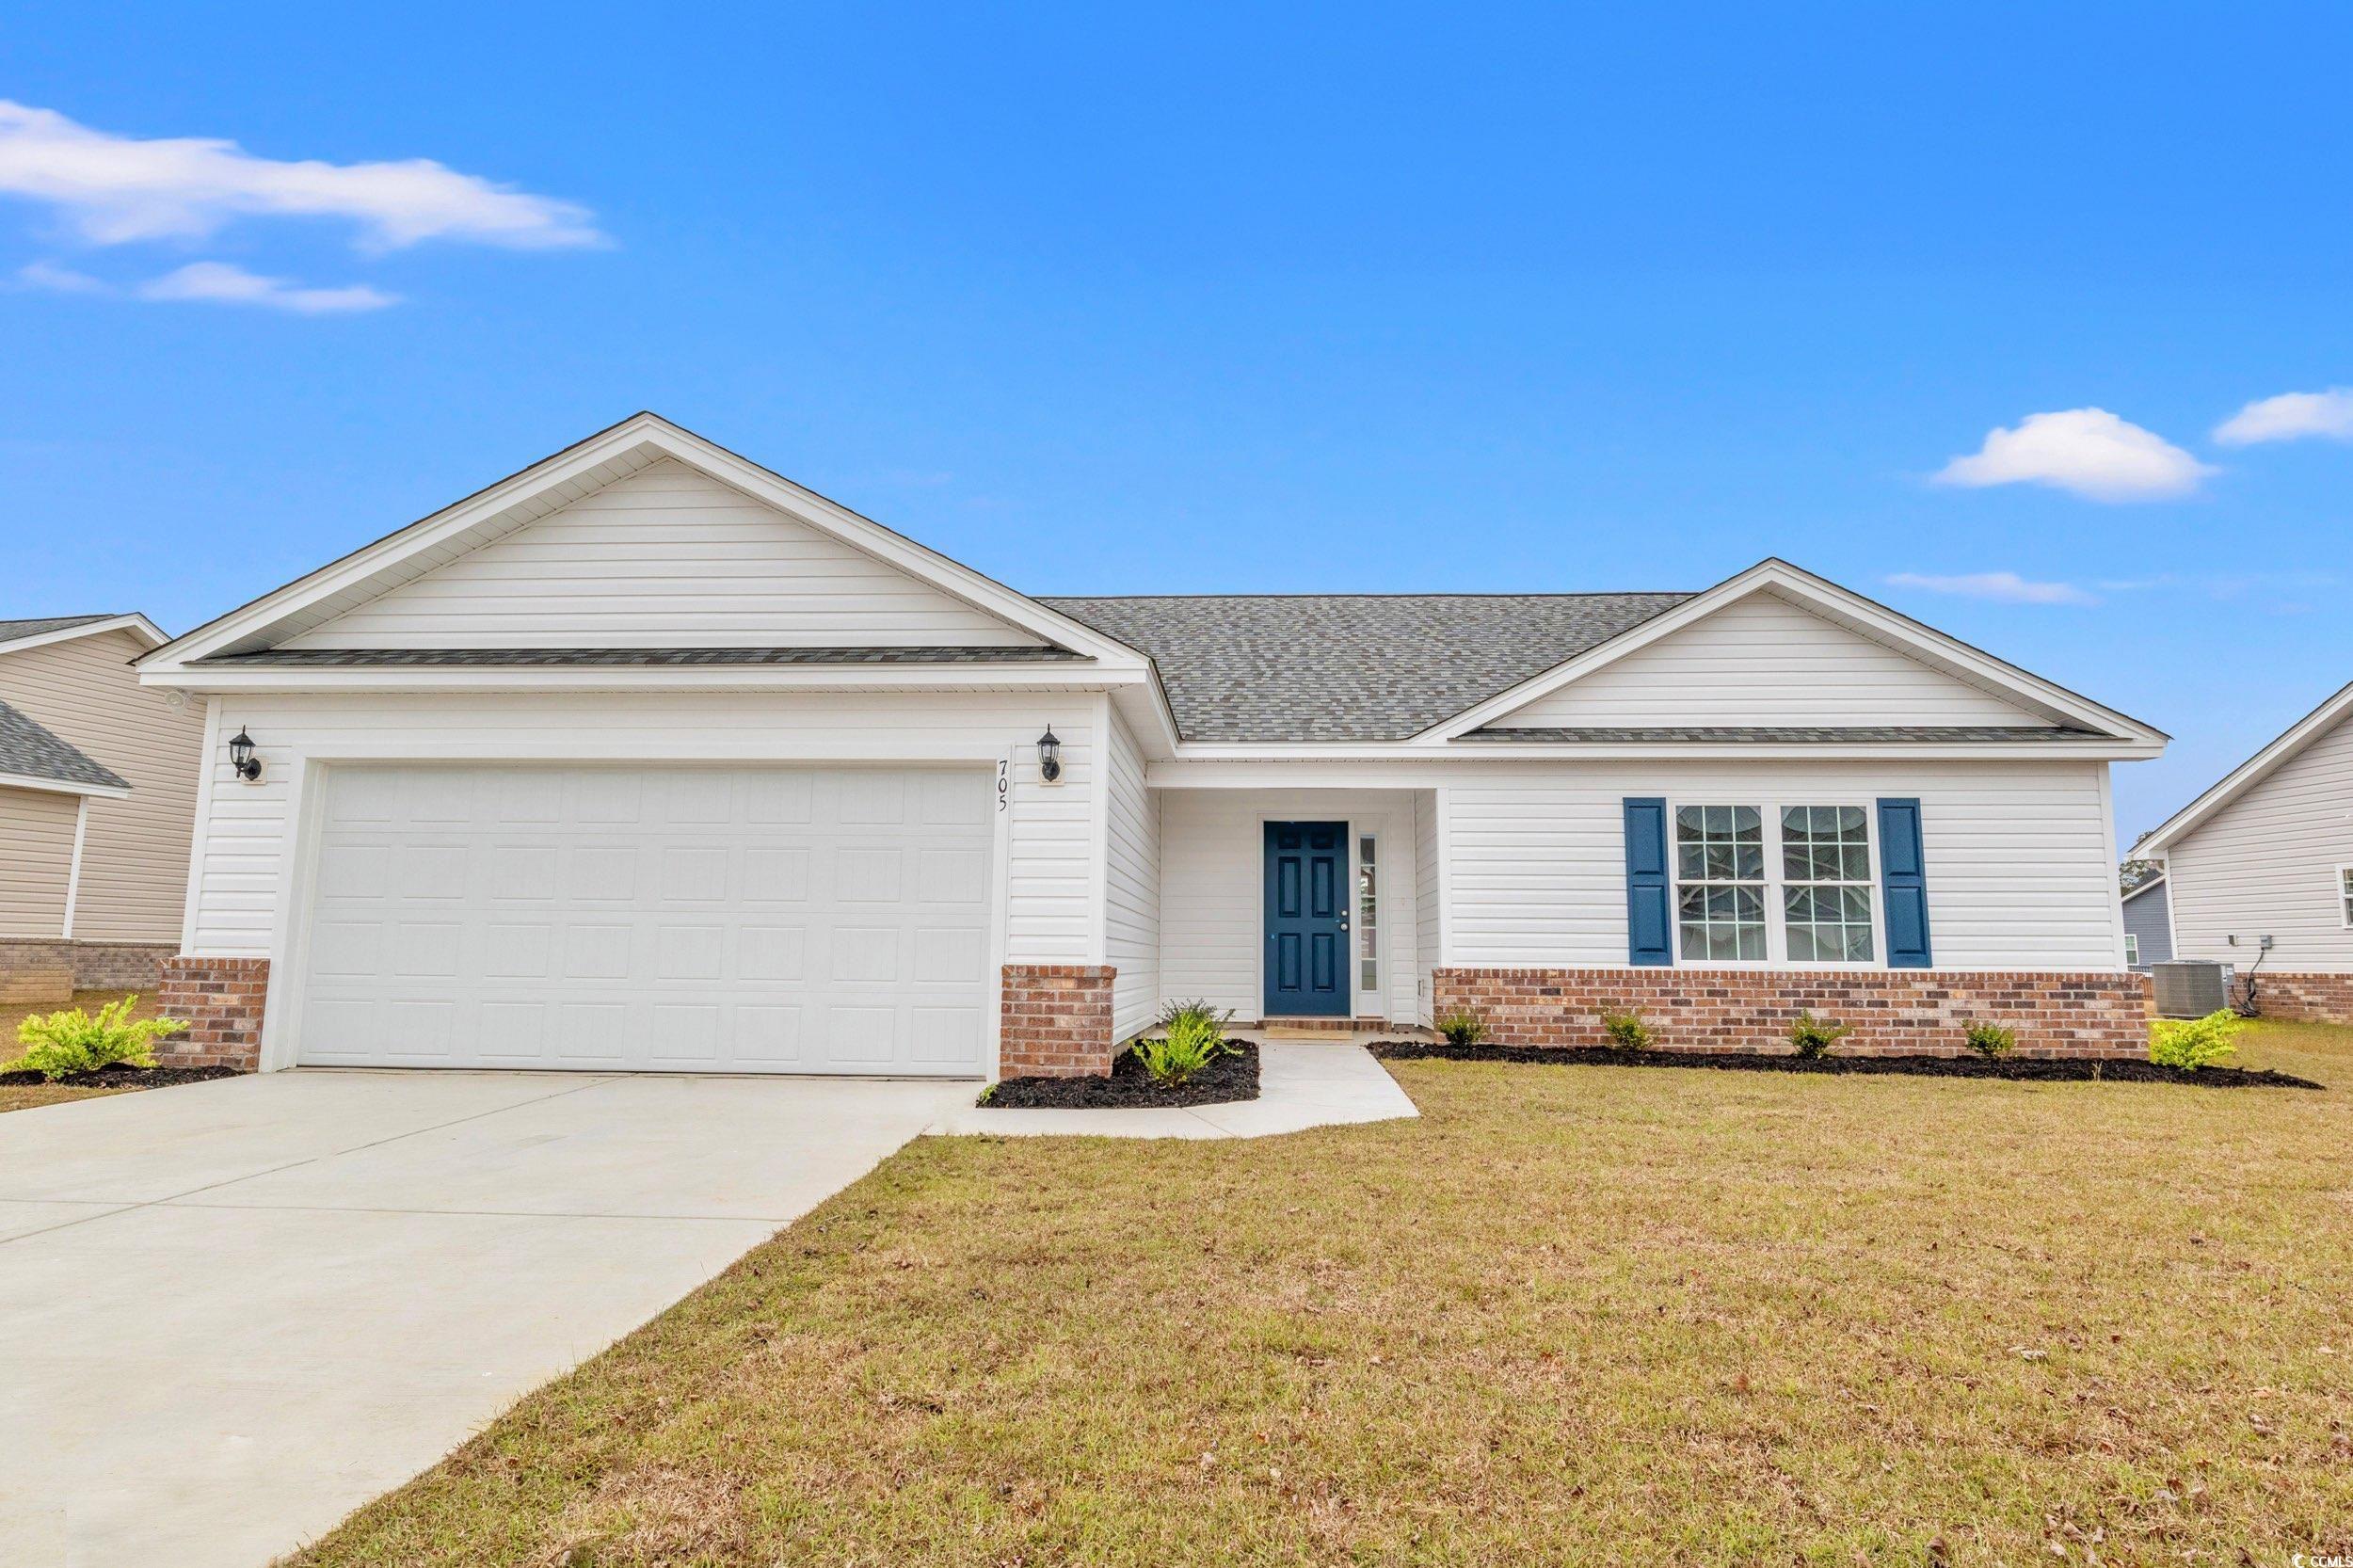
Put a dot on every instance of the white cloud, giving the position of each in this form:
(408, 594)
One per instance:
(2291, 416)
(2006, 587)
(58, 280)
(2088, 452)
(217, 282)
(113, 189)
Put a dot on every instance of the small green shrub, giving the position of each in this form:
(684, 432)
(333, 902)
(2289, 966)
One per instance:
(2192, 1044)
(1812, 1037)
(1217, 1018)
(1194, 1039)
(60, 1045)
(1463, 1026)
(1990, 1040)
(1626, 1029)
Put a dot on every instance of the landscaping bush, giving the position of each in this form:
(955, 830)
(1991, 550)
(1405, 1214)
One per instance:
(1172, 1013)
(2194, 1043)
(1463, 1026)
(61, 1045)
(1627, 1029)
(1812, 1037)
(1194, 1038)
(1990, 1040)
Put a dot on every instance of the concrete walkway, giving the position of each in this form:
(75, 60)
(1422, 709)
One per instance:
(237, 1310)
(1301, 1084)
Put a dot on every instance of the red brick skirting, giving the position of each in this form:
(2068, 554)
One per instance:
(1894, 1012)
(222, 1000)
(2322, 999)
(1056, 1021)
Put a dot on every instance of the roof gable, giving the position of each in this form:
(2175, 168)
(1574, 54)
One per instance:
(19, 634)
(1766, 660)
(2291, 743)
(295, 616)
(665, 556)
(2038, 699)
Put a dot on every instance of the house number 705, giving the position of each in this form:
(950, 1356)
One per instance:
(1004, 783)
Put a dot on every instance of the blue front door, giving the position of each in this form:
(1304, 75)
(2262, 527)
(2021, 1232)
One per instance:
(1307, 920)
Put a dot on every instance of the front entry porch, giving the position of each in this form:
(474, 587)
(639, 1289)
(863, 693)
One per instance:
(1298, 907)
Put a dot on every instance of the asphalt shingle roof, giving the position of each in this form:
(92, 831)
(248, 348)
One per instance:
(12, 630)
(29, 751)
(1797, 733)
(1350, 666)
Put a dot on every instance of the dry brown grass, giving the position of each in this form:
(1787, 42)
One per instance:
(1578, 1315)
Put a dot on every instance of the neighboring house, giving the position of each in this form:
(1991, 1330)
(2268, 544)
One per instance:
(2260, 869)
(2148, 924)
(647, 758)
(98, 782)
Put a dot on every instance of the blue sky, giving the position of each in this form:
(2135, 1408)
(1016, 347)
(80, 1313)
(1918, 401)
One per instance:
(1367, 298)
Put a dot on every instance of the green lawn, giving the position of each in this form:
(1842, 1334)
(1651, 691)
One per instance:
(1581, 1315)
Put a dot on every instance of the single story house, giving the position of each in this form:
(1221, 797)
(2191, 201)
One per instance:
(2148, 924)
(2259, 869)
(647, 757)
(98, 781)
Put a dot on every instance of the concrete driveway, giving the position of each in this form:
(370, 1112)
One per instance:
(235, 1311)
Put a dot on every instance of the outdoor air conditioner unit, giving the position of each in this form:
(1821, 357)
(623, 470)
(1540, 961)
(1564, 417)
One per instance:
(2191, 988)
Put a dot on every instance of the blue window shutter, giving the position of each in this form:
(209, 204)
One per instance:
(1903, 882)
(1649, 935)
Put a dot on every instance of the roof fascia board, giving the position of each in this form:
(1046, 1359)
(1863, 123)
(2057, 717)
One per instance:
(1882, 624)
(380, 678)
(2148, 886)
(2088, 748)
(2235, 783)
(643, 430)
(62, 787)
(135, 623)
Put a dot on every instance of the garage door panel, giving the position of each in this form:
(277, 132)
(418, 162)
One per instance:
(761, 920)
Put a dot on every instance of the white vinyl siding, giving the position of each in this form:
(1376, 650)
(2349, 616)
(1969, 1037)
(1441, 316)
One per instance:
(1132, 890)
(1214, 889)
(1764, 661)
(134, 855)
(2019, 875)
(2266, 865)
(665, 557)
(1050, 876)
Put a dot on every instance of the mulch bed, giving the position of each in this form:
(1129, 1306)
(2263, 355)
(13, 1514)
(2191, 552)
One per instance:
(122, 1077)
(2022, 1069)
(1231, 1077)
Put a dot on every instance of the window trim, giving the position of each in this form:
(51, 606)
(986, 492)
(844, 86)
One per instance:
(2132, 950)
(1776, 907)
(1365, 840)
(2344, 895)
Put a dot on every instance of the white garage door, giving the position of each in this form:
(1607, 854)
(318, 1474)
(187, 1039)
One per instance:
(681, 919)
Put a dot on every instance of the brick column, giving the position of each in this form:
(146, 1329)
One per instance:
(1056, 1021)
(222, 1000)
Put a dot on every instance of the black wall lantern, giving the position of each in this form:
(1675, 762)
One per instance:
(1049, 757)
(241, 757)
